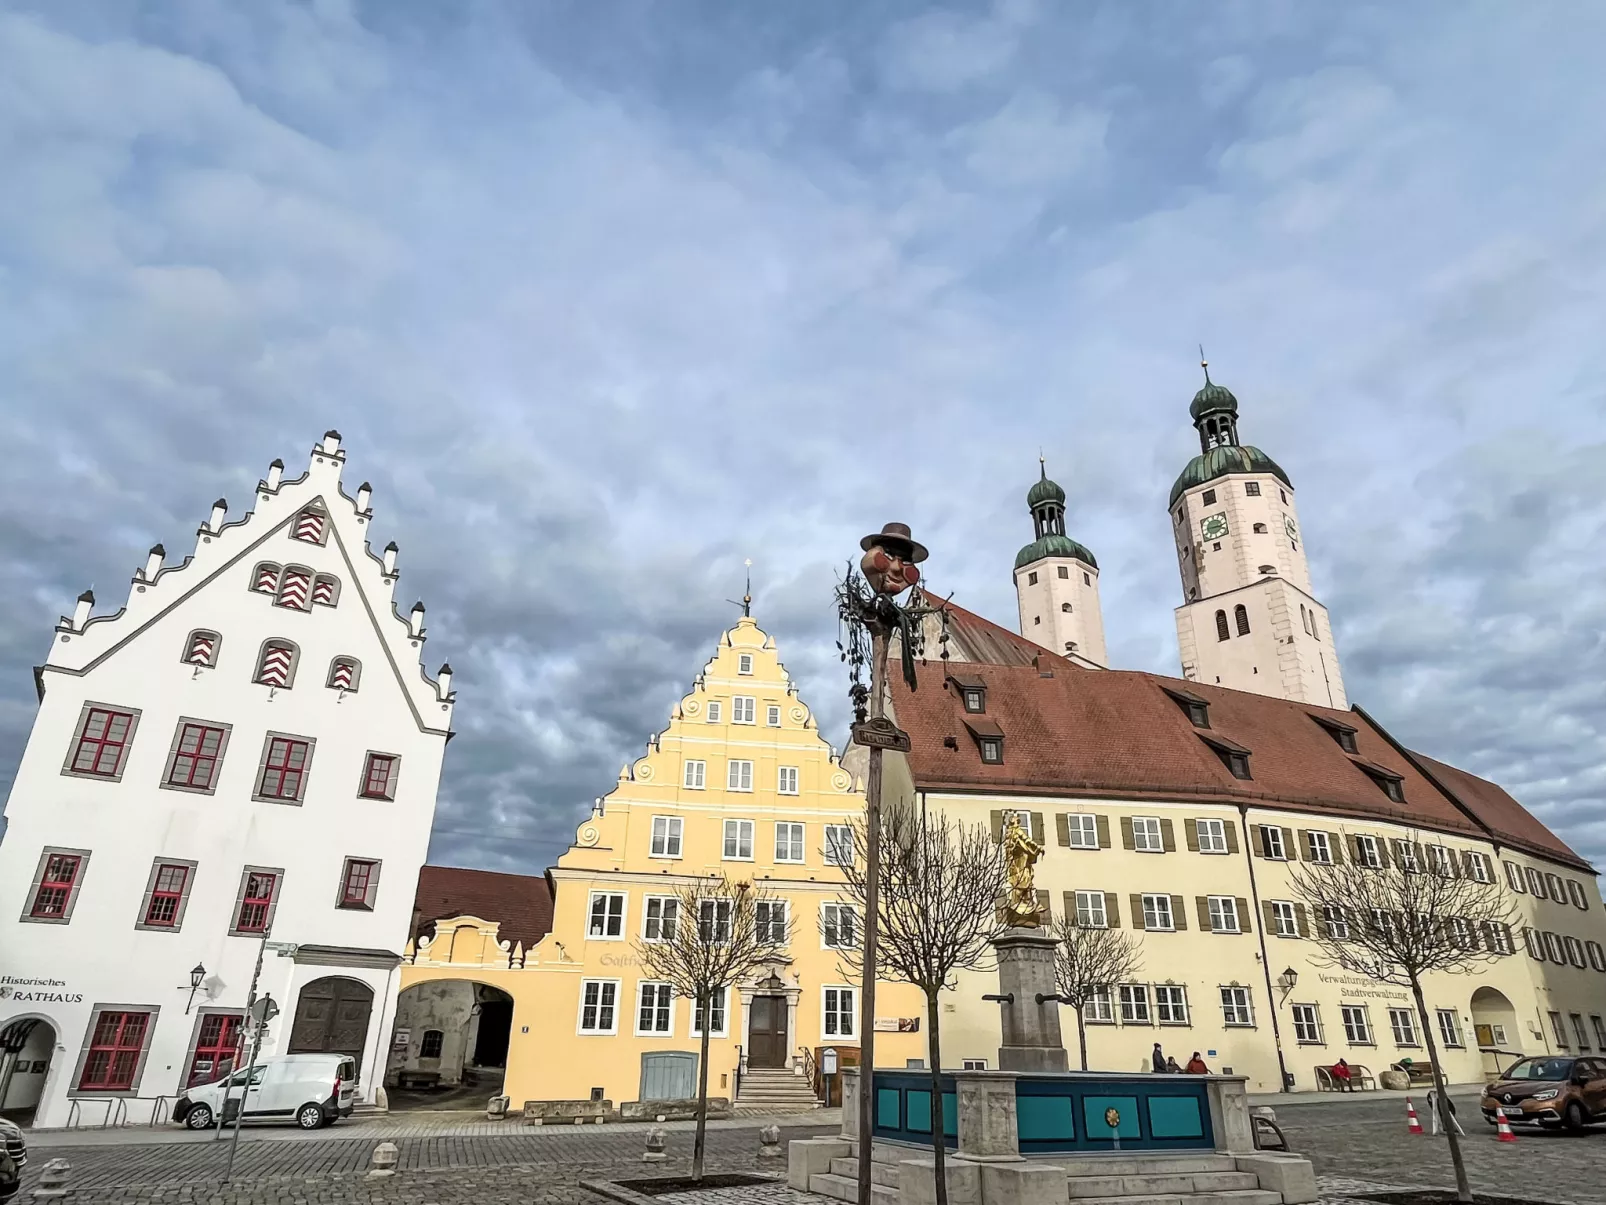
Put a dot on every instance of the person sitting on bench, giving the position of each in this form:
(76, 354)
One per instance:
(1341, 1076)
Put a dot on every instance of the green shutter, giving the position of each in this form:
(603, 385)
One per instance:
(1127, 841)
(1112, 910)
(1179, 913)
(1201, 905)
(1243, 915)
(1102, 823)
(1168, 835)
(1232, 836)
(1190, 834)
(1062, 827)
(1136, 902)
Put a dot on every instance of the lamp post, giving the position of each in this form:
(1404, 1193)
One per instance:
(1287, 981)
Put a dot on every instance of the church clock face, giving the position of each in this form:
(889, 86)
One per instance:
(1288, 526)
(1213, 527)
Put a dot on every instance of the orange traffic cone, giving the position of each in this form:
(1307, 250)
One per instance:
(1502, 1129)
(1412, 1124)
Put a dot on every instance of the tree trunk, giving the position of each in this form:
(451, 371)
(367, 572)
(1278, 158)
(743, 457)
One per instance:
(702, 1093)
(1081, 1035)
(1463, 1187)
(939, 1145)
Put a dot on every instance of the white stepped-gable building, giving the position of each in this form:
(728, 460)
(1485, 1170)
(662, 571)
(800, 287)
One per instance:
(243, 759)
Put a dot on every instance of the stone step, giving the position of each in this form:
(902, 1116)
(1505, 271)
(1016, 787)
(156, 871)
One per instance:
(1244, 1196)
(781, 1098)
(1184, 1184)
(889, 1174)
(842, 1188)
(1145, 1165)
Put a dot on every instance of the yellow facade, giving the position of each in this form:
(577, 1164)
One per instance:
(719, 791)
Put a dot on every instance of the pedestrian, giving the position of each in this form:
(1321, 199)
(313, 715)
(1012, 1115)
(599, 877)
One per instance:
(1157, 1060)
(1196, 1065)
(1171, 1066)
(1341, 1076)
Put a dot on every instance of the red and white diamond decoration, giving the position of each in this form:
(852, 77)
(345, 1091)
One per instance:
(203, 648)
(267, 579)
(344, 674)
(275, 669)
(323, 590)
(309, 525)
(293, 593)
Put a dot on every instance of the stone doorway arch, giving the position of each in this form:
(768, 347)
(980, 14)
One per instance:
(332, 1016)
(1495, 1029)
(27, 1060)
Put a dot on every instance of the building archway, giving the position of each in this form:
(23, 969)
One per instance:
(450, 1041)
(1495, 1028)
(332, 1016)
(27, 1057)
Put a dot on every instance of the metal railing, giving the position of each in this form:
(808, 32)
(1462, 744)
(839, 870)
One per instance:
(808, 1066)
(741, 1066)
(116, 1114)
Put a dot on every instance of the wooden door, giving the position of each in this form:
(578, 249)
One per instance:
(332, 1018)
(767, 1033)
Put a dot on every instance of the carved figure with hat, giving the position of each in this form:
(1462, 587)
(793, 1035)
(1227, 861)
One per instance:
(890, 557)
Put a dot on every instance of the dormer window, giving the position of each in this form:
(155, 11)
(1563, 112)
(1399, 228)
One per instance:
(1390, 783)
(972, 692)
(992, 751)
(1196, 709)
(989, 739)
(1233, 755)
(975, 700)
(1341, 732)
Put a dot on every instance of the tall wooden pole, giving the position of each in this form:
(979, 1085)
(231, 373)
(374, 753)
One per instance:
(872, 885)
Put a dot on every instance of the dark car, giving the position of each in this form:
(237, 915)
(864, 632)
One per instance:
(13, 1157)
(1551, 1090)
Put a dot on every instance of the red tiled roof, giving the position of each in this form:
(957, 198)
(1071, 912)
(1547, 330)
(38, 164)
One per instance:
(521, 902)
(1118, 734)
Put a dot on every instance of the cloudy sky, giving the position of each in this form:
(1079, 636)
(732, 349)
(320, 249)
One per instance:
(609, 295)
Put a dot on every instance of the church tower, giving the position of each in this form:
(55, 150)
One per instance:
(1057, 583)
(1248, 620)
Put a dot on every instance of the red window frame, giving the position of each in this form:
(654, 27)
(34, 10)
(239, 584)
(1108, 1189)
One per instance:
(377, 775)
(285, 768)
(167, 894)
(256, 902)
(115, 1048)
(55, 885)
(193, 765)
(359, 878)
(101, 743)
(218, 1041)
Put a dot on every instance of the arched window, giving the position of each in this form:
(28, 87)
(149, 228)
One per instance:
(295, 588)
(277, 664)
(344, 673)
(201, 648)
(311, 524)
(1260, 529)
(1222, 633)
(1066, 607)
(265, 580)
(325, 590)
(1304, 618)
(1240, 613)
(430, 1047)
(1314, 630)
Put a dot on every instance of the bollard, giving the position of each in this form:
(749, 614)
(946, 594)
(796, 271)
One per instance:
(655, 1146)
(53, 1180)
(769, 1143)
(496, 1110)
(384, 1160)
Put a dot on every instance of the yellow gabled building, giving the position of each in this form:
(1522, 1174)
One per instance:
(740, 783)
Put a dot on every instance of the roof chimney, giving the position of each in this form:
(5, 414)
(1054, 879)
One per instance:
(390, 559)
(416, 621)
(443, 680)
(275, 472)
(153, 562)
(331, 442)
(219, 509)
(80, 615)
(365, 492)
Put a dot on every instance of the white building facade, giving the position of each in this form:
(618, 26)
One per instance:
(242, 763)
(1057, 583)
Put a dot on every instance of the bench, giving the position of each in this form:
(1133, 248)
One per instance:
(1419, 1072)
(1360, 1079)
(420, 1080)
(566, 1112)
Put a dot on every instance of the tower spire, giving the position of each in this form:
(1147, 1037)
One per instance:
(1204, 363)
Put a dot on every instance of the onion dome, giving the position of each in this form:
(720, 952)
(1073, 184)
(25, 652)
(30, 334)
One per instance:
(1224, 460)
(1212, 399)
(1043, 490)
(1054, 545)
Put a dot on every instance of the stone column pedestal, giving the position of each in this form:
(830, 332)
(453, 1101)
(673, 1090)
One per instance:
(1032, 1039)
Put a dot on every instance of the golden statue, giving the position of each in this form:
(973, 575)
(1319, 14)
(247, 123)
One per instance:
(1021, 854)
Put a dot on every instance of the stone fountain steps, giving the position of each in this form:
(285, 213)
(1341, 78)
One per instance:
(885, 1174)
(846, 1188)
(1242, 1196)
(1151, 1184)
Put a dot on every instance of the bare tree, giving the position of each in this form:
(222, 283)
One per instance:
(711, 935)
(938, 909)
(1398, 922)
(1090, 960)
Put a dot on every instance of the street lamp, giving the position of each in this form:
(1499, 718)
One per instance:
(198, 974)
(1287, 980)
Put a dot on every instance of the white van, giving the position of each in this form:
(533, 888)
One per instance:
(310, 1089)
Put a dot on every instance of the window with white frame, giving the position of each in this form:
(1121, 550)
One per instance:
(720, 1015)
(1134, 1004)
(1514, 878)
(1579, 1032)
(714, 922)
(655, 1008)
(714, 711)
(839, 845)
(788, 842)
(666, 836)
(1439, 858)
(1600, 1030)
(839, 1012)
(1236, 1008)
(1536, 882)
(769, 918)
(1336, 921)
(738, 775)
(1082, 831)
(659, 915)
(742, 709)
(1320, 847)
(1556, 888)
(1554, 948)
(1357, 1024)
(1380, 920)
(1271, 840)
(1403, 1022)
(1575, 951)
(786, 780)
(1099, 1010)
(839, 926)
(744, 663)
(1146, 835)
(1367, 853)
(1171, 1003)
(1477, 866)
(1090, 913)
(1575, 894)
(1596, 955)
(1461, 934)
(772, 715)
(1212, 836)
(696, 774)
(599, 1000)
(1285, 918)
(607, 915)
(1157, 912)
(1449, 1027)
(738, 840)
(1405, 856)
(1558, 1030)
(973, 1064)
(1499, 938)
(1307, 1025)
(1223, 914)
